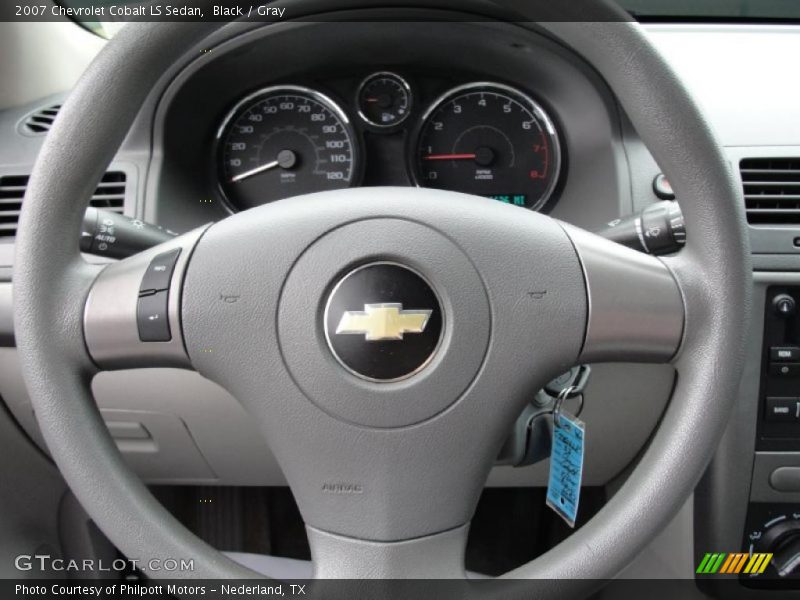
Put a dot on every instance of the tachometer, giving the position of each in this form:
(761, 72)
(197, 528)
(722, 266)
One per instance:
(489, 140)
(284, 141)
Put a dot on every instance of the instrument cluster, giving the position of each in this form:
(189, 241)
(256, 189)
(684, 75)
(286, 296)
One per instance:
(485, 138)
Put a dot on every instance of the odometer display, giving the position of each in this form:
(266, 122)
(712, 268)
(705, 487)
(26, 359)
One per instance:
(284, 141)
(489, 140)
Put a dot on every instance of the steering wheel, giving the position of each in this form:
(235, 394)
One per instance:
(386, 427)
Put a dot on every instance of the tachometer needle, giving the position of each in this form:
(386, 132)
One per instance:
(472, 156)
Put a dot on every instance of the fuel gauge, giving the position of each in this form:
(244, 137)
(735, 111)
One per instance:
(384, 100)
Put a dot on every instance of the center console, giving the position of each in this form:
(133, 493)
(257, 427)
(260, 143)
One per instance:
(772, 524)
(748, 503)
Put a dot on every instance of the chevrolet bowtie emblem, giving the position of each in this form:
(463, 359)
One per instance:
(380, 322)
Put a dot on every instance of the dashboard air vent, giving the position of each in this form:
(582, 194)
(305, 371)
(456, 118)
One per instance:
(109, 195)
(40, 122)
(771, 190)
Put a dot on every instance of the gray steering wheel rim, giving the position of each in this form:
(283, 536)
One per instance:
(714, 267)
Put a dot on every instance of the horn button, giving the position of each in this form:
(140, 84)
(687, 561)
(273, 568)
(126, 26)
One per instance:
(402, 322)
(383, 322)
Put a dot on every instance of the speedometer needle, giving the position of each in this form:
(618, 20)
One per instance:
(256, 171)
(450, 157)
(286, 160)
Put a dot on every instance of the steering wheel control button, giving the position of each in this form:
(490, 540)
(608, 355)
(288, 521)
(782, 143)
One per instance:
(783, 410)
(159, 272)
(383, 322)
(151, 317)
(151, 310)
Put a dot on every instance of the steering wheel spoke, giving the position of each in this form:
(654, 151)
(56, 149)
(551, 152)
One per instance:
(132, 316)
(636, 308)
(438, 556)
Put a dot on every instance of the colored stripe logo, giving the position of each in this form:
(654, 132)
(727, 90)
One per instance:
(734, 563)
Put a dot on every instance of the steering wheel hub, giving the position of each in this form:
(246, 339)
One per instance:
(383, 322)
(325, 342)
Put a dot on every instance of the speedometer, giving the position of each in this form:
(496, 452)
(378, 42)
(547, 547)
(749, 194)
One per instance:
(284, 141)
(491, 140)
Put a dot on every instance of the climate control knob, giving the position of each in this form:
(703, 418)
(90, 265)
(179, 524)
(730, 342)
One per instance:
(782, 540)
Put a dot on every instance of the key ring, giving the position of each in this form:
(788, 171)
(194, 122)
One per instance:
(563, 395)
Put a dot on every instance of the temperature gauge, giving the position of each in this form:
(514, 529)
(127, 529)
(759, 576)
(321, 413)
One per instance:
(384, 100)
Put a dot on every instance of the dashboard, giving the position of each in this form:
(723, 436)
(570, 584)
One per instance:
(523, 121)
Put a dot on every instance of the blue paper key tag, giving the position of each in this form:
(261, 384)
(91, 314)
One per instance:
(566, 466)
